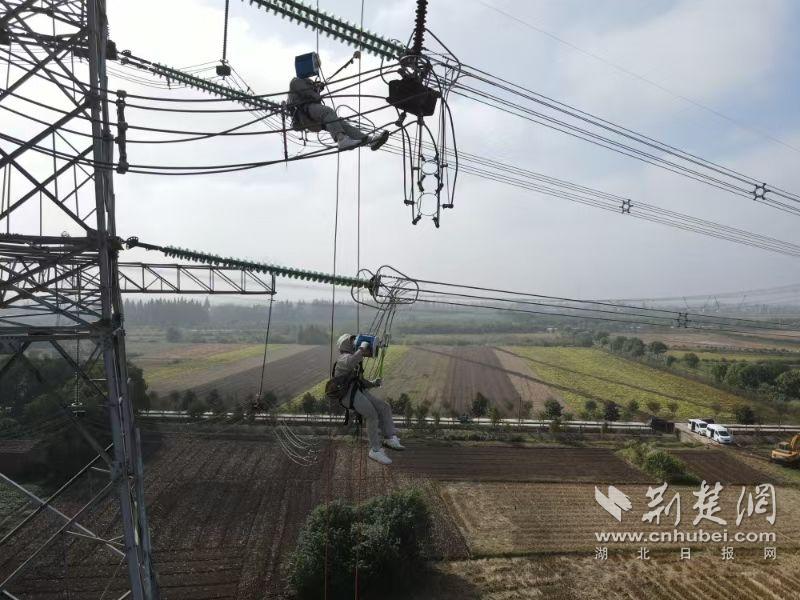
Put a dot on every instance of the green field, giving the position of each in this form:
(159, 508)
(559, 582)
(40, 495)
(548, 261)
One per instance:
(790, 357)
(184, 365)
(581, 373)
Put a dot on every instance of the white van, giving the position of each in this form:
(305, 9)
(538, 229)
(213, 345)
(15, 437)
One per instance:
(698, 426)
(718, 433)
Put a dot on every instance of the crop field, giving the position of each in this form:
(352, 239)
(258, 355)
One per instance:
(705, 577)
(473, 370)
(421, 375)
(583, 373)
(449, 377)
(285, 377)
(179, 366)
(514, 463)
(225, 513)
(722, 466)
(707, 340)
(548, 518)
(788, 357)
(524, 378)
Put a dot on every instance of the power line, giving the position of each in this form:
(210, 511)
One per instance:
(683, 162)
(635, 75)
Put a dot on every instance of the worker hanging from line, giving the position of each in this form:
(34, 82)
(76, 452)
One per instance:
(349, 386)
(310, 114)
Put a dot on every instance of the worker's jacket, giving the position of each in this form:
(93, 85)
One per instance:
(350, 364)
(303, 92)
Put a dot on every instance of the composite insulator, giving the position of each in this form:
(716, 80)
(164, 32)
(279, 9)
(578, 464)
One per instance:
(419, 26)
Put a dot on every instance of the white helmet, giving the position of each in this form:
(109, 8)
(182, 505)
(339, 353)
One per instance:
(345, 342)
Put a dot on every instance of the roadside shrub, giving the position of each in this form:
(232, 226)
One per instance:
(399, 405)
(480, 405)
(383, 538)
(658, 463)
(611, 411)
(718, 371)
(590, 407)
(421, 412)
(691, 359)
(309, 403)
(633, 347)
(196, 408)
(744, 414)
(654, 406)
(552, 409)
(494, 416)
(671, 360)
(631, 408)
(789, 383)
(408, 413)
(188, 398)
(665, 467)
(215, 403)
(618, 343)
(657, 348)
(269, 400)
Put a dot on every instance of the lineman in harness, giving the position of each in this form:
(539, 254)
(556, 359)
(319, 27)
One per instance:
(309, 113)
(349, 387)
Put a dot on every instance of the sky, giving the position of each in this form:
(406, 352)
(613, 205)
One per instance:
(737, 57)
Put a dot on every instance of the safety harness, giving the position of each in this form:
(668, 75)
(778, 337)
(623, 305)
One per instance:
(337, 389)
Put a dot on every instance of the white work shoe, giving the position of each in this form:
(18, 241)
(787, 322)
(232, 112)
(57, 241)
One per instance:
(380, 456)
(348, 143)
(393, 443)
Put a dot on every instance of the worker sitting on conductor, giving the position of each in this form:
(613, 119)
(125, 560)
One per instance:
(349, 386)
(309, 113)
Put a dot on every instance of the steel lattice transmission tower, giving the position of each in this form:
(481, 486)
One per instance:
(58, 246)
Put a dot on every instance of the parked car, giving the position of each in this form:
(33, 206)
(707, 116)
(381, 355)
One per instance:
(698, 426)
(718, 433)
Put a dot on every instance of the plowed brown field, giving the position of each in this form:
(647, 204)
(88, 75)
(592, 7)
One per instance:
(224, 516)
(720, 465)
(474, 369)
(286, 377)
(705, 577)
(509, 463)
(519, 518)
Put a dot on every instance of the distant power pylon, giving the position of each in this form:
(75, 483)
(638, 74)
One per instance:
(58, 246)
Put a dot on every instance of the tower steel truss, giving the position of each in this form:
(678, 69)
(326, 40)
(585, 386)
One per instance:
(57, 227)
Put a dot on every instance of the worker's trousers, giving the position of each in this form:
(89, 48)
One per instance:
(332, 123)
(378, 415)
